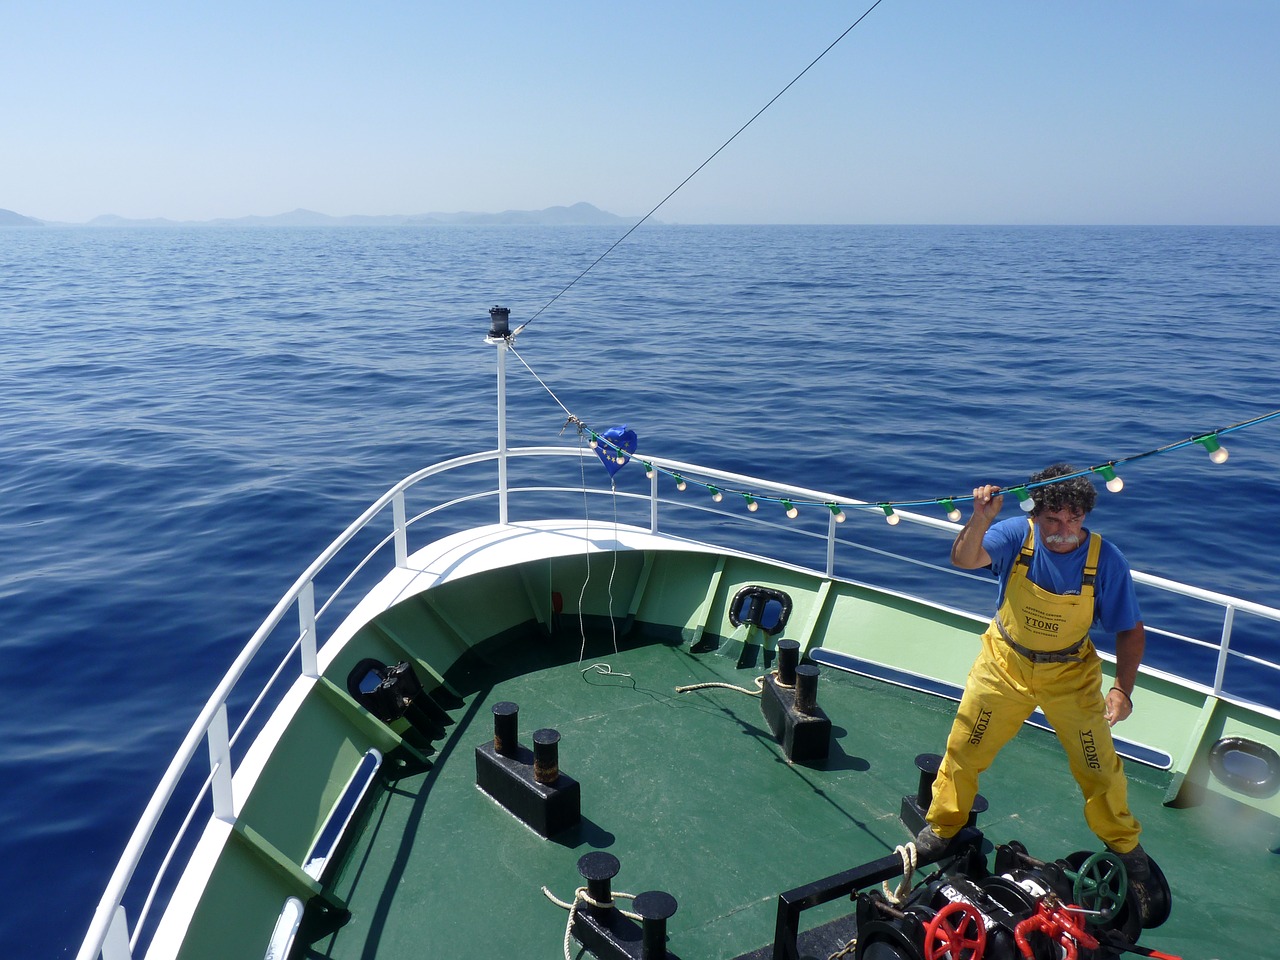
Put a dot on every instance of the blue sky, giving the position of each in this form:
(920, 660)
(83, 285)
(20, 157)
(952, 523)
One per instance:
(1035, 111)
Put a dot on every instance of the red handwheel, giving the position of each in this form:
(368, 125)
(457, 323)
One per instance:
(956, 932)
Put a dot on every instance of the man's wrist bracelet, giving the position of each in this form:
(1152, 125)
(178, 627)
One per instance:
(1125, 695)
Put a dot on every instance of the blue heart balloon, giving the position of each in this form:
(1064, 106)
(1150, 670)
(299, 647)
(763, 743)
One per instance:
(615, 457)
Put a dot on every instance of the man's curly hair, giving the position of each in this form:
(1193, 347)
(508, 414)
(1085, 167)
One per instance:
(1077, 494)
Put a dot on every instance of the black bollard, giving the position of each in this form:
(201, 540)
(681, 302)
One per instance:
(655, 908)
(914, 808)
(546, 756)
(807, 688)
(598, 869)
(506, 728)
(788, 657)
(927, 764)
(528, 782)
(792, 711)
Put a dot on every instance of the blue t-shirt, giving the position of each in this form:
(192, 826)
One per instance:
(1115, 606)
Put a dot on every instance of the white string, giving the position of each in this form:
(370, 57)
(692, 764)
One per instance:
(512, 347)
(586, 549)
(613, 627)
(604, 670)
(586, 517)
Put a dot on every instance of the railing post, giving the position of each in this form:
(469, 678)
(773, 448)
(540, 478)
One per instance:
(115, 945)
(307, 626)
(1224, 648)
(653, 502)
(831, 546)
(502, 432)
(401, 535)
(220, 763)
(500, 335)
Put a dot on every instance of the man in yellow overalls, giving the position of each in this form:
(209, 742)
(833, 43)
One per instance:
(1057, 580)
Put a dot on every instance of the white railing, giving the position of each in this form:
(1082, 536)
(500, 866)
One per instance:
(108, 935)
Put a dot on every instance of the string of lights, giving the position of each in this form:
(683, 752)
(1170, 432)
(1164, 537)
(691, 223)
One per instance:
(1107, 472)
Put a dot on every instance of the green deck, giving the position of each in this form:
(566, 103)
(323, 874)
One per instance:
(694, 797)
(689, 791)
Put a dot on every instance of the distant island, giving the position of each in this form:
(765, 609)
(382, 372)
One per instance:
(10, 219)
(577, 215)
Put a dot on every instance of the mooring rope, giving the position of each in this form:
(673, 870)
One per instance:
(580, 895)
(727, 686)
(907, 852)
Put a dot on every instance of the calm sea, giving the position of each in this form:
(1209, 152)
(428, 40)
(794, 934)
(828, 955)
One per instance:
(190, 415)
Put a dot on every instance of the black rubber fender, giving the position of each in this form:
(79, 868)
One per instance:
(1265, 785)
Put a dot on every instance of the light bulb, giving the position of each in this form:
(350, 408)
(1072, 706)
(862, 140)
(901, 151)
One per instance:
(1107, 472)
(681, 485)
(953, 512)
(836, 512)
(890, 517)
(1217, 452)
(1024, 499)
(648, 470)
(716, 495)
(751, 503)
(594, 443)
(792, 512)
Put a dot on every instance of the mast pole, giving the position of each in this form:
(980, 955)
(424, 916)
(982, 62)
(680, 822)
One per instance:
(500, 335)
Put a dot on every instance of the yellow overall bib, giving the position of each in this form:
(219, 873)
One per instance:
(1037, 652)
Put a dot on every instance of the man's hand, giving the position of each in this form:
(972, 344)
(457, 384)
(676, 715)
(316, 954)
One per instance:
(967, 552)
(1130, 645)
(987, 501)
(1118, 706)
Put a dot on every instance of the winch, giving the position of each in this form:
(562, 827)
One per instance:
(1081, 907)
